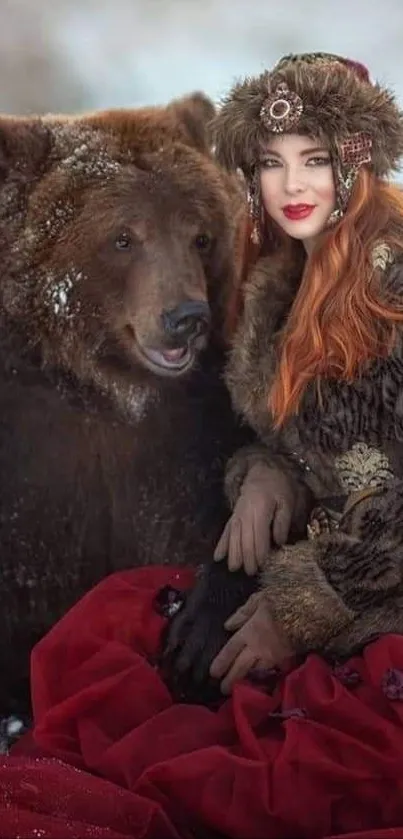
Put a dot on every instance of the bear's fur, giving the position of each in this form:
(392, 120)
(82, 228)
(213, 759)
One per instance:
(115, 424)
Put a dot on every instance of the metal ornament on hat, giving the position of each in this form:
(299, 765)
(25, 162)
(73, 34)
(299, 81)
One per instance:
(281, 110)
(352, 153)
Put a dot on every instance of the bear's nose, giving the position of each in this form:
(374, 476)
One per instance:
(188, 319)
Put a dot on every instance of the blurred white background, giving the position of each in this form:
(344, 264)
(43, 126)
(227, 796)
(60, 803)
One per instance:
(63, 55)
(73, 55)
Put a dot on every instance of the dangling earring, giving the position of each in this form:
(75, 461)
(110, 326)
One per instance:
(338, 211)
(344, 185)
(256, 210)
(334, 217)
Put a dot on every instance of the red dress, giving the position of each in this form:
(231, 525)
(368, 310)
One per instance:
(112, 756)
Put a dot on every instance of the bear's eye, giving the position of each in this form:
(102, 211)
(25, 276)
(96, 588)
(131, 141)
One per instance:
(123, 242)
(203, 242)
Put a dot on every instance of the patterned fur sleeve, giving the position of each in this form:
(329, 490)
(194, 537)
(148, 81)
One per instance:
(337, 593)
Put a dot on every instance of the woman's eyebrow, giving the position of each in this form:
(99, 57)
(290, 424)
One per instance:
(304, 152)
(266, 152)
(314, 150)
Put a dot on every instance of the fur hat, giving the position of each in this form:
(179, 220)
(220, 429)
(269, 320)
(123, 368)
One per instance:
(324, 96)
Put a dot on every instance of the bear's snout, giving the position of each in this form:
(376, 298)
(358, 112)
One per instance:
(187, 320)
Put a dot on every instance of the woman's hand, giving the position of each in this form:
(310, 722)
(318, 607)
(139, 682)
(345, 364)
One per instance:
(260, 520)
(257, 643)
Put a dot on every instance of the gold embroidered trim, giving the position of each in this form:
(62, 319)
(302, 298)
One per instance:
(382, 256)
(362, 470)
(361, 467)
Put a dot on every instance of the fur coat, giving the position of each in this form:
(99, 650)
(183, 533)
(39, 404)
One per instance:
(341, 585)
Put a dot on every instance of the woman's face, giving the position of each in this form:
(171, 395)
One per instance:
(297, 184)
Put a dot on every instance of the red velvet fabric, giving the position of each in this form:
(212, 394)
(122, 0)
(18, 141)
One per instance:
(112, 756)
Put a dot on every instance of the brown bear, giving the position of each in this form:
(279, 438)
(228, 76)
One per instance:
(120, 238)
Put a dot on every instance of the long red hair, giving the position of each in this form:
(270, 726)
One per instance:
(341, 318)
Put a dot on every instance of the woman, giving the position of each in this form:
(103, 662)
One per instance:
(111, 753)
(317, 363)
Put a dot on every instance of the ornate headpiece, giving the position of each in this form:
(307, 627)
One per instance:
(318, 94)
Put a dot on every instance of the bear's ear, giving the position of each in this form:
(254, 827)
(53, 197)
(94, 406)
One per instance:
(147, 130)
(195, 113)
(24, 145)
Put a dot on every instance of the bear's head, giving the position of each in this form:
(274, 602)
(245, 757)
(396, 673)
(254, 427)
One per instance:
(120, 238)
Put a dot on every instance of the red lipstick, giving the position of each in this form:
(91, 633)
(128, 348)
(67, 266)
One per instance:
(295, 212)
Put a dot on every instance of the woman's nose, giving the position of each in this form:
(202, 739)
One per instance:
(294, 181)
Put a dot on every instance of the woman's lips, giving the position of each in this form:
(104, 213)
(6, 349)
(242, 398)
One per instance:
(295, 212)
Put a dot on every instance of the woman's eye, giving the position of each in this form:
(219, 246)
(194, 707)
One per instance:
(123, 242)
(269, 163)
(318, 161)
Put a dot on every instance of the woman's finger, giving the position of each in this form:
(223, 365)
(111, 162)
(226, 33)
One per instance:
(226, 657)
(262, 545)
(238, 618)
(244, 662)
(221, 550)
(281, 524)
(235, 546)
(249, 551)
